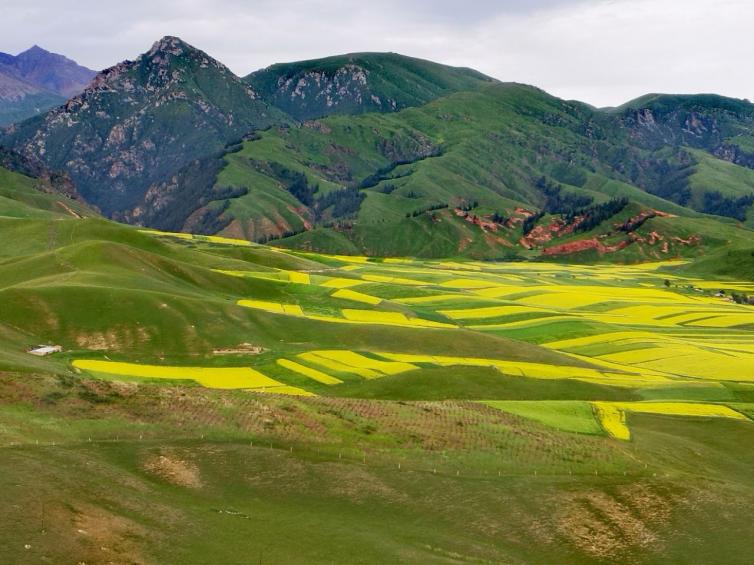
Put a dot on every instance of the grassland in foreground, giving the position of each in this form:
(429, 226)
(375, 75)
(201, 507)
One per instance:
(243, 397)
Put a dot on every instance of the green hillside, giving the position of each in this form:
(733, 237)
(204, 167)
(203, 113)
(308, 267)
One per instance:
(215, 399)
(359, 82)
(28, 105)
(458, 176)
(20, 197)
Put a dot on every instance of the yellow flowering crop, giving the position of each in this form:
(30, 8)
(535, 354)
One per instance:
(346, 294)
(211, 377)
(487, 312)
(612, 415)
(390, 318)
(335, 365)
(319, 376)
(342, 283)
(353, 359)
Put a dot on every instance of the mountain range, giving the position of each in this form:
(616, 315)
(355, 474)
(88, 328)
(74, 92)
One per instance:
(36, 80)
(381, 154)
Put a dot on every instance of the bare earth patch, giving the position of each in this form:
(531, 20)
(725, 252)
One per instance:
(111, 538)
(610, 526)
(174, 470)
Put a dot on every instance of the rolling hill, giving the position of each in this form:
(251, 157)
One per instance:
(358, 83)
(460, 175)
(215, 399)
(373, 309)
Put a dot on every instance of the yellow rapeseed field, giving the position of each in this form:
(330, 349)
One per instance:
(179, 235)
(346, 294)
(210, 377)
(613, 420)
(468, 283)
(488, 312)
(224, 240)
(297, 277)
(337, 366)
(430, 299)
(274, 307)
(393, 280)
(341, 283)
(319, 376)
(612, 415)
(353, 359)
(614, 377)
(390, 318)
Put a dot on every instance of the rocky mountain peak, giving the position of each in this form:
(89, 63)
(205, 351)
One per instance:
(34, 50)
(142, 120)
(169, 45)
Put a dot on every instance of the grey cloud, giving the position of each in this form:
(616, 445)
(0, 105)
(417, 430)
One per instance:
(600, 51)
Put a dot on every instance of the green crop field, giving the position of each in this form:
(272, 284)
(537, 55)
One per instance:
(216, 400)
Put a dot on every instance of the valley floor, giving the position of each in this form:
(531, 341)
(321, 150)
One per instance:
(222, 401)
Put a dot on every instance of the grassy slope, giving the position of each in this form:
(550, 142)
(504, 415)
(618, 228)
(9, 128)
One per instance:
(232, 476)
(20, 199)
(487, 141)
(391, 82)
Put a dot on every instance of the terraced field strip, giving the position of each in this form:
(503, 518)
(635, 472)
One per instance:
(318, 376)
(343, 361)
(657, 315)
(431, 299)
(394, 280)
(694, 362)
(612, 415)
(337, 366)
(725, 321)
(207, 238)
(298, 277)
(541, 321)
(611, 337)
(273, 307)
(613, 420)
(267, 275)
(468, 283)
(294, 277)
(567, 300)
(742, 286)
(350, 316)
(391, 319)
(341, 283)
(539, 370)
(347, 294)
(490, 312)
(210, 377)
(157, 233)
(350, 258)
(223, 240)
(666, 354)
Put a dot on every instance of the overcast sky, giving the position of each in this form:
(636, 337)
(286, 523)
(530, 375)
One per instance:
(604, 52)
